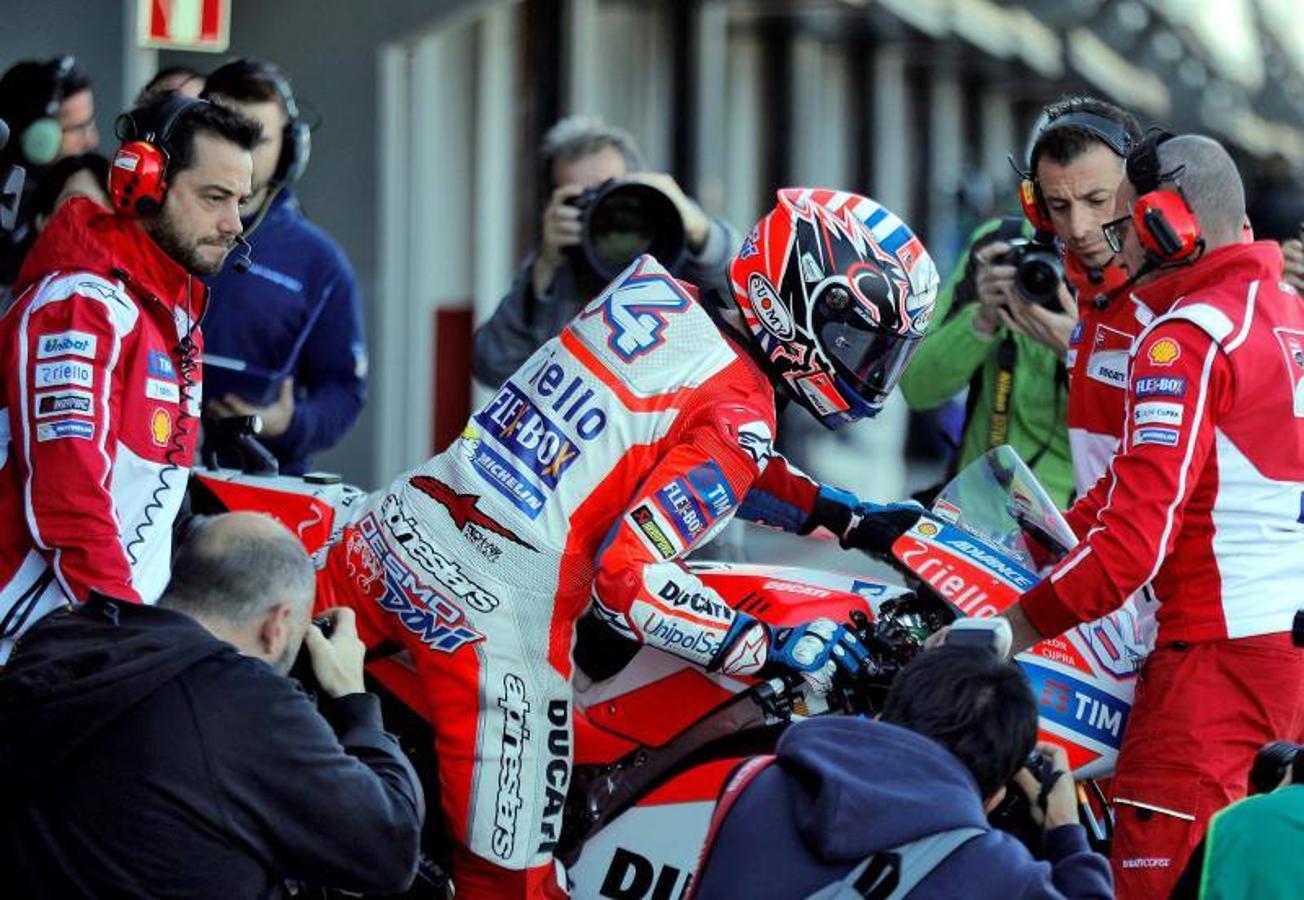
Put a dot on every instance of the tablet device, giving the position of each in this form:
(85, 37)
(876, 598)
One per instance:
(255, 385)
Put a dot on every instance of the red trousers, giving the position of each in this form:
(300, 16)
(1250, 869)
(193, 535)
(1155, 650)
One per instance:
(1201, 713)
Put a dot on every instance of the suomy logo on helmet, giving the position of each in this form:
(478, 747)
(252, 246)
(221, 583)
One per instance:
(769, 308)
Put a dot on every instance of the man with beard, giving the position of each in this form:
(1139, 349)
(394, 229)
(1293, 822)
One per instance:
(100, 362)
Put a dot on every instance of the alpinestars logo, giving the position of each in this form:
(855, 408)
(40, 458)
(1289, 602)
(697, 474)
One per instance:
(516, 712)
(406, 533)
(464, 509)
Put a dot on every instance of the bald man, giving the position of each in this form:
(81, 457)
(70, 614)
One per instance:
(160, 751)
(1204, 502)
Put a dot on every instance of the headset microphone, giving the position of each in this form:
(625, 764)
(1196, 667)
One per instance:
(1100, 301)
(243, 260)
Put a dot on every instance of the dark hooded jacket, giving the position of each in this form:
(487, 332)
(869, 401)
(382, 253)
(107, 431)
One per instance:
(844, 788)
(143, 757)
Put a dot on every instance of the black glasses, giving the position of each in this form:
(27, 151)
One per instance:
(1114, 231)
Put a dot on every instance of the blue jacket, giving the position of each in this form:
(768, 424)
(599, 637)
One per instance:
(300, 281)
(843, 788)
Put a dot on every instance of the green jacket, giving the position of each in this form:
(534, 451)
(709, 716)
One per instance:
(952, 353)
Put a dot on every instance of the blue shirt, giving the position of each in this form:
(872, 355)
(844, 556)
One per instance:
(299, 292)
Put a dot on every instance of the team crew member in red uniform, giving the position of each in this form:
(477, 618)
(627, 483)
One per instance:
(1203, 501)
(1077, 168)
(100, 361)
(620, 446)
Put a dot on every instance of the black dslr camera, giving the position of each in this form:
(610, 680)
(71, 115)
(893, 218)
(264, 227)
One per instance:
(1038, 271)
(620, 221)
(301, 671)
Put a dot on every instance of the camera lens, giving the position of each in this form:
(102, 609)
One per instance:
(1038, 278)
(626, 220)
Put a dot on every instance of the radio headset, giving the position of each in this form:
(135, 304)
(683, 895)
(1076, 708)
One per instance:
(1112, 134)
(1165, 224)
(138, 174)
(137, 187)
(40, 141)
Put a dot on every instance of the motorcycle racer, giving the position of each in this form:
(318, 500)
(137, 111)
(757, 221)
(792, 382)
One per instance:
(619, 447)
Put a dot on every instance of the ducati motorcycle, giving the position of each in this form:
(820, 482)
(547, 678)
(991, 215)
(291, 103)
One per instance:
(655, 743)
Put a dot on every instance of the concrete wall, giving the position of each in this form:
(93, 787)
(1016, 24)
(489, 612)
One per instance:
(93, 32)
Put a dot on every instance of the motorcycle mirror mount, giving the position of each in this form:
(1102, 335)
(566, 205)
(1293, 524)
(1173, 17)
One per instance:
(986, 634)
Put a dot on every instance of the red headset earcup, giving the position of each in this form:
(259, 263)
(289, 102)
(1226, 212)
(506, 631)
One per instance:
(1165, 226)
(1033, 208)
(137, 180)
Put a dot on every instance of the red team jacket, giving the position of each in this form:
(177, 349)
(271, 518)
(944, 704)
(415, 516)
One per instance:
(100, 415)
(1205, 499)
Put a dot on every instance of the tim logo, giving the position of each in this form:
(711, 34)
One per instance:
(635, 307)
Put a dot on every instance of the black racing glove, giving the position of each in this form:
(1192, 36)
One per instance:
(859, 525)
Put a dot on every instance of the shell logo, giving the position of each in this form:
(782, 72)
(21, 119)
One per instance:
(1164, 352)
(160, 427)
(927, 529)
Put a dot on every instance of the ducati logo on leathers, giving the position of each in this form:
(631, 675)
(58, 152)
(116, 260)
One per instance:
(556, 774)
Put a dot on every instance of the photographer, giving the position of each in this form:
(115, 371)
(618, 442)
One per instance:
(956, 726)
(969, 344)
(161, 751)
(582, 154)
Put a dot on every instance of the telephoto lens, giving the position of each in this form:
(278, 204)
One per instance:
(622, 220)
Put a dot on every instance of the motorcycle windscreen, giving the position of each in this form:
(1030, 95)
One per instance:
(985, 545)
(1000, 499)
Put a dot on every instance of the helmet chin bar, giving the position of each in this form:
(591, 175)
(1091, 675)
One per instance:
(831, 399)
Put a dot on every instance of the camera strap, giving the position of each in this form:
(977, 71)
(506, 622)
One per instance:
(998, 422)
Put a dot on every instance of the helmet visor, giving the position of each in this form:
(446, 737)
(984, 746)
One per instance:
(869, 360)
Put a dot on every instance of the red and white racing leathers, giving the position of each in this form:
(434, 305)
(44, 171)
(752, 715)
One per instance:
(618, 447)
(1205, 501)
(101, 401)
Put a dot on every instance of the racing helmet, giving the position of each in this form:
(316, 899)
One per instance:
(836, 292)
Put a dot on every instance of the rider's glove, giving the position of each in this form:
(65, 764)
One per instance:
(859, 525)
(875, 528)
(817, 650)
